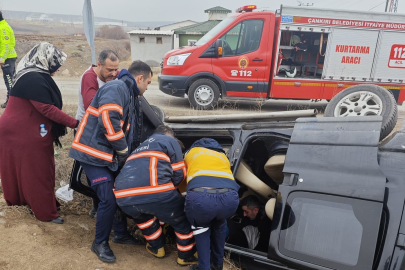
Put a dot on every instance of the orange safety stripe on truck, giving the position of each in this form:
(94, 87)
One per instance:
(143, 190)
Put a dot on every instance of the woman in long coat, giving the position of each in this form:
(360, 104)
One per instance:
(27, 164)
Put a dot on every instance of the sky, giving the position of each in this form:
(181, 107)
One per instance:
(175, 10)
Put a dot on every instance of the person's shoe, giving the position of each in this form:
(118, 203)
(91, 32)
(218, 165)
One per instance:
(126, 239)
(194, 267)
(103, 251)
(193, 259)
(57, 220)
(158, 253)
(4, 105)
(93, 212)
(217, 267)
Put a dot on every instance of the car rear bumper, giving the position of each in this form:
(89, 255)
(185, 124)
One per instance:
(173, 85)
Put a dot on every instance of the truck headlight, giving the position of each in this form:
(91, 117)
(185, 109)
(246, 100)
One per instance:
(177, 60)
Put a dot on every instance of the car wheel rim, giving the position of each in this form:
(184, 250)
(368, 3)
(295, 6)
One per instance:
(359, 104)
(204, 95)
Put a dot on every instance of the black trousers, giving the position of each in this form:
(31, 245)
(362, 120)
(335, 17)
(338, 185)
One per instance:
(8, 73)
(171, 211)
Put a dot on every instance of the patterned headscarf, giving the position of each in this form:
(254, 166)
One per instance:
(44, 57)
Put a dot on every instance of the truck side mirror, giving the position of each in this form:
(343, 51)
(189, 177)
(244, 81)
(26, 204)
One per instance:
(213, 51)
(218, 48)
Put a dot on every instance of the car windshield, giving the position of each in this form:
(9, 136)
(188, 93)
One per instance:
(214, 31)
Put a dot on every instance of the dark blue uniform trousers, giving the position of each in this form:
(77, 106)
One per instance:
(102, 180)
(171, 211)
(207, 214)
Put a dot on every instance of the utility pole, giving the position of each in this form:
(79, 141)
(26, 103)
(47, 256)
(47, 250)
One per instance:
(391, 6)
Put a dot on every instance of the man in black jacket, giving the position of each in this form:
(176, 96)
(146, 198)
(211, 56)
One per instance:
(254, 229)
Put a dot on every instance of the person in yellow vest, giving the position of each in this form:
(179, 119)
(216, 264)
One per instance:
(8, 55)
(212, 197)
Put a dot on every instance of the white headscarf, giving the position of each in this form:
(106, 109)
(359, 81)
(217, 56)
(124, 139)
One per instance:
(44, 57)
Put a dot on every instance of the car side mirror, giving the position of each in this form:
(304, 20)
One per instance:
(218, 48)
(213, 51)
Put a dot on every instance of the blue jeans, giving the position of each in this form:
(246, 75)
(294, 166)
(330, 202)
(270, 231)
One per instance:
(207, 214)
(107, 207)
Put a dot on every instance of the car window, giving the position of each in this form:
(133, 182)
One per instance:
(242, 38)
(329, 230)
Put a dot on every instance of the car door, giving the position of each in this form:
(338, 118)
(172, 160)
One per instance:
(243, 64)
(329, 206)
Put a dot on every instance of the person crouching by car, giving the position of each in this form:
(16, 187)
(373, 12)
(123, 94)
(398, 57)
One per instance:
(146, 190)
(211, 198)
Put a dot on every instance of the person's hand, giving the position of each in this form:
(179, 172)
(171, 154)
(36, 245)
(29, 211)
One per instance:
(121, 158)
(1, 63)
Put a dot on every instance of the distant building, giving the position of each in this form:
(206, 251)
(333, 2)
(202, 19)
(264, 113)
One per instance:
(39, 18)
(189, 35)
(172, 26)
(150, 45)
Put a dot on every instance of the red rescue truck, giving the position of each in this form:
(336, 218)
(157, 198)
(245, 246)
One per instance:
(295, 53)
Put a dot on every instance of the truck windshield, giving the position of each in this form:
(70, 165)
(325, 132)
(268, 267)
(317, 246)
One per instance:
(214, 31)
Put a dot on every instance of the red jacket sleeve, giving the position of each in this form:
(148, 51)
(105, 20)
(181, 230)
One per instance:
(89, 89)
(53, 113)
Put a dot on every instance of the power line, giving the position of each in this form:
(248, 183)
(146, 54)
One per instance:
(377, 5)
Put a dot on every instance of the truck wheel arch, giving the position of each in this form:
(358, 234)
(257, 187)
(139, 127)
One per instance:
(207, 75)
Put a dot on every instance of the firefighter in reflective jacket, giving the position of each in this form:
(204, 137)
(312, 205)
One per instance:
(108, 131)
(146, 190)
(212, 197)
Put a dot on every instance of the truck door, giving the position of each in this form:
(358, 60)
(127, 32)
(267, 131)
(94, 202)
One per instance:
(329, 206)
(243, 64)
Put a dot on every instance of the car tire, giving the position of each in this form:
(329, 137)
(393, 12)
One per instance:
(159, 112)
(203, 94)
(351, 102)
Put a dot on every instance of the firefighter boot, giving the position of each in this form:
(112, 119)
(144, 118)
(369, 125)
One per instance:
(193, 259)
(158, 253)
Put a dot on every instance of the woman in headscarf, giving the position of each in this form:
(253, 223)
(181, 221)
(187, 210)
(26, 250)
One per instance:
(27, 164)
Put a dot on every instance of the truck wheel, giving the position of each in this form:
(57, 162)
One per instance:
(159, 112)
(203, 94)
(363, 100)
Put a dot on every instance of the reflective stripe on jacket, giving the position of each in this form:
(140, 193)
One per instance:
(208, 168)
(7, 42)
(152, 172)
(100, 132)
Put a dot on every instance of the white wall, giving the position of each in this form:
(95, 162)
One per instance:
(217, 16)
(150, 51)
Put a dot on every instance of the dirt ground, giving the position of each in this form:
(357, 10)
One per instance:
(30, 244)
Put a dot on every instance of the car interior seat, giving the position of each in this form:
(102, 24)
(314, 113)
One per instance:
(269, 208)
(274, 168)
(248, 178)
